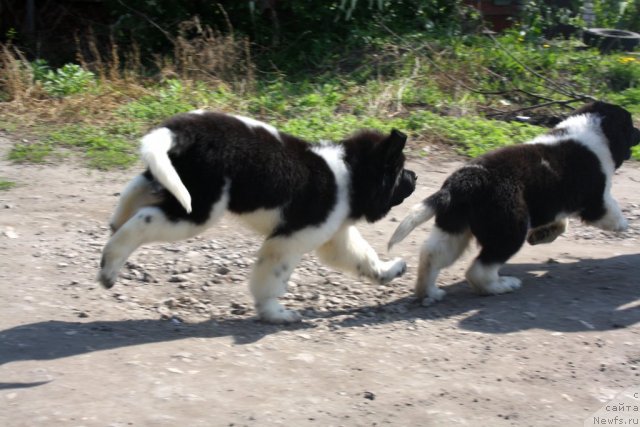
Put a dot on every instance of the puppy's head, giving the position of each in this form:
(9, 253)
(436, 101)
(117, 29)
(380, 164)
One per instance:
(617, 127)
(379, 180)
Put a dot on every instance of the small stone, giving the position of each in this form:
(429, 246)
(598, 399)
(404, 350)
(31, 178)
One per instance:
(222, 270)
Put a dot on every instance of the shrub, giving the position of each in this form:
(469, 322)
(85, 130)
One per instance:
(623, 73)
(67, 80)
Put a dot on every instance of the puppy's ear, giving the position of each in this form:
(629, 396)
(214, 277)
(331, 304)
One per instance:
(393, 145)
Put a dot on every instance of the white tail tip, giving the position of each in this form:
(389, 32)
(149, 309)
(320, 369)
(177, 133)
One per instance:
(419, 213)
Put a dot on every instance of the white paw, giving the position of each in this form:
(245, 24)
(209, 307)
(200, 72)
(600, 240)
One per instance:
(392, 269)
(504, 285)
(272, 311)
(607, 223)
(107, 275)
(433, 296)
(621, 225)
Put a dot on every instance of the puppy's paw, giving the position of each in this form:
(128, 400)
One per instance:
(433, 296)
(546, 233)
(610, 222)
(106, 276)
(621, 225)
(106, 280)
(272, 311)
(503, 285)
(392, 269)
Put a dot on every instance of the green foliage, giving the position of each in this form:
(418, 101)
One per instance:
(6, 185)
(35, 152)
(171, 98)
(623, 73)
(398, 84)
(67, 80)
(629, 99)
(538, 16)
(472, 136)
(104, 148)
(40, 69)
(630, 19)
(609, 13)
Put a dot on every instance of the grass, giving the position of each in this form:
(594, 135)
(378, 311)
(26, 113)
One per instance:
(6, 185)
(436, 93)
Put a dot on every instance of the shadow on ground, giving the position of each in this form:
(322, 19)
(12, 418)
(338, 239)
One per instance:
(570, 297)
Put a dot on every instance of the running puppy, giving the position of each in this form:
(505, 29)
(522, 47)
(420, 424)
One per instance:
(300, 196)
(523, 192)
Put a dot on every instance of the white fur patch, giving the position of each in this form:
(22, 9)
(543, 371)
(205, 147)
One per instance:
(485, 279)
(253, 123)
(586, 130)
(263, 221)
(418, 214)
(334, 156)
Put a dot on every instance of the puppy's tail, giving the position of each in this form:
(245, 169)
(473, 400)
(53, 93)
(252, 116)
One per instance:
(420, 213)
(154, 149)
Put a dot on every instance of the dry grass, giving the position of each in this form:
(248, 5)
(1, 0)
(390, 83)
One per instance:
(199, 54)
(16, 76)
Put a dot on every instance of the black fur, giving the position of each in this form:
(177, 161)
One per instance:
(376, 163)
(501, 195)
(267, 172)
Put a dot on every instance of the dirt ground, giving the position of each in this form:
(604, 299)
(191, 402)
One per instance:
(176, 342)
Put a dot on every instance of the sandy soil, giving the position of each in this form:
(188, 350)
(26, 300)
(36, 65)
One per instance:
(176, 343)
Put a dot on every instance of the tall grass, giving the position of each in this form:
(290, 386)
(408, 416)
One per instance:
(442, 91)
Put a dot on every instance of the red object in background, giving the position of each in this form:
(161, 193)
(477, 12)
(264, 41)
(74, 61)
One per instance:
(498, 14)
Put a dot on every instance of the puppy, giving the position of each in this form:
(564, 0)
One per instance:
(300, 196)
(523, 192)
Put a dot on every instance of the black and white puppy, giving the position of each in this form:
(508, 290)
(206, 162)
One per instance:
(300, 196)
(523, 192)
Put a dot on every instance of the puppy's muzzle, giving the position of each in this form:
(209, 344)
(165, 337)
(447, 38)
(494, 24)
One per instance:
(405, 187)
(636, 137)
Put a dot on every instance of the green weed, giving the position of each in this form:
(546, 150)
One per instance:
(104, 148)
(432, 94)
(6, 185)
(30, 152)
(67, 80)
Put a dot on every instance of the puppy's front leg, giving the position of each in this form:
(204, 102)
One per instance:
(138, 193)
(268, 282)
(613, 219)
(349, 251)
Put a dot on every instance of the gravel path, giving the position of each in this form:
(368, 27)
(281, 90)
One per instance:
(176, 342)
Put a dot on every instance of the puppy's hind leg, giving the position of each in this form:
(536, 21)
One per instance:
(269, 279)
(139, 192)
(499, 240)
(440, 250)
(147, 225)
(347, 250)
